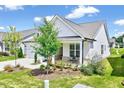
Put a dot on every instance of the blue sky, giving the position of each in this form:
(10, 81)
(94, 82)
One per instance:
(24, 17)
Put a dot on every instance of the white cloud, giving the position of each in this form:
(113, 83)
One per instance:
(49, 18)
(11, 7)
(1, 8)
(119, 22)
(38, 19)
(120, 33)
(81, 11)
(2, 28)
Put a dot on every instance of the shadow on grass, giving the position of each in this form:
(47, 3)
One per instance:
(117, 64)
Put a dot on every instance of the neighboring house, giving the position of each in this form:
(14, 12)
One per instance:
(113, 43)
(80, 42)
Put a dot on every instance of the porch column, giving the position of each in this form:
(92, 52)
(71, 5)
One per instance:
(53, 59)
(81, 52)
(3, 47)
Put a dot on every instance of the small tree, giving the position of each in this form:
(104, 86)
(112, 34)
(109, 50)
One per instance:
(12, 39)
(47, 42)
(20, 53)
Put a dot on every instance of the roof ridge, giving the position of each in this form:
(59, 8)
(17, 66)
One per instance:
(103, 21)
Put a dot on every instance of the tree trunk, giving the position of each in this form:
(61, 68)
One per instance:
(49, 60)
(15, 60)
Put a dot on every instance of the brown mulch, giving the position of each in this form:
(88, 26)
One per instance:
(56, 74)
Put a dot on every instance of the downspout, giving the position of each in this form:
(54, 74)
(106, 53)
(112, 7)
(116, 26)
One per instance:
(82, 51)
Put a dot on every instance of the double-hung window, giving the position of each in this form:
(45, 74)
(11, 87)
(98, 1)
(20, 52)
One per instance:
(91, 44)
(103, 49)
(74, 50)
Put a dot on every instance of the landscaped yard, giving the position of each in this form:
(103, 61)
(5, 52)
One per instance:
(66, 78)
(6, 58)
(23, 79)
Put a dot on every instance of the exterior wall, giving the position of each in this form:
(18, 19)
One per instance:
(86, 49)
(0, 47)
(101, 39)
(63, 29)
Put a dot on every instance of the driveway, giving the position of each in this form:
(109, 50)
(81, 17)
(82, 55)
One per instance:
(26, 62)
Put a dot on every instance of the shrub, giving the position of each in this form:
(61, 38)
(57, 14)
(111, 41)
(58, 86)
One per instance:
(17, 66)
(99, 68)
(87, 70)
(122, 56)
(74, 67)
(60, 64)
(4, 54)
(50, 68)
(42, 67)
(8, 68)
(35, 58)
(20, 53)
(21, 67)
(107, 67)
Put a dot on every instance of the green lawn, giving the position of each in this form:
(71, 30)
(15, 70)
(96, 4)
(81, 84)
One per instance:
(114, 53)
(23, 80)
(117, 62)
(6, 58)
(93, 81)
(19, 80)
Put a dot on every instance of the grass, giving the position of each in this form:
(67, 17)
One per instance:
(117, 62)
(114, 52)
(6, 58)
(93, 81)
(19, 79)
(22, 79)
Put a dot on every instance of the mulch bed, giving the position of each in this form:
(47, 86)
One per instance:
(56, 74)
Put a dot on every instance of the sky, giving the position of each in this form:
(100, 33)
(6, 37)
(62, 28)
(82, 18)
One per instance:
(26, 17)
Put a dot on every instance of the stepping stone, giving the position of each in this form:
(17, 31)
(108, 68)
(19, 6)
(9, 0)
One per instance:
(81, 86)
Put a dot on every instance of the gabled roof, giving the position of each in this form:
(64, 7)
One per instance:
(25, 33)
(28, 33)
(85, 30)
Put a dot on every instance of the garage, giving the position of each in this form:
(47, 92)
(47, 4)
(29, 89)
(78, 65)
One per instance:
(29, 51)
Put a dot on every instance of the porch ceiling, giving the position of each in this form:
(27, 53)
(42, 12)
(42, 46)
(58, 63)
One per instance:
(70, 39)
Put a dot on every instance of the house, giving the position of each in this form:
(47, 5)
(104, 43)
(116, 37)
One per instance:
(80, 42)
(113, 43)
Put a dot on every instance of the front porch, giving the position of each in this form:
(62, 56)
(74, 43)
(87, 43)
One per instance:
(71, 50)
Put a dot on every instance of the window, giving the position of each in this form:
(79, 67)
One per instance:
(74, 50)
(102, 49)
(91, 44)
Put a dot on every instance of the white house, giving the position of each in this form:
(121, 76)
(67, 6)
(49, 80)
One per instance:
(80, 42)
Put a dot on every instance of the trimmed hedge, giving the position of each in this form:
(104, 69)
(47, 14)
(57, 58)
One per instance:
(4, 54)
(117, 64)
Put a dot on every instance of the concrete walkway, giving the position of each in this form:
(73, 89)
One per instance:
(26, 62)
(81, 86)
